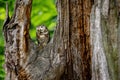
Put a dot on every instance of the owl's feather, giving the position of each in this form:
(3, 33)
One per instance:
(42, 35)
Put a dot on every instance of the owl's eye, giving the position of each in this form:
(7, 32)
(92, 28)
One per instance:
(41, 26)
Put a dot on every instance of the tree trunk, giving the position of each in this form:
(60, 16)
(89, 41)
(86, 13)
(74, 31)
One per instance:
(105, 40)
(85, 44)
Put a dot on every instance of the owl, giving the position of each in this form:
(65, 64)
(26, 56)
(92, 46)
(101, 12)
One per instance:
(42, 35)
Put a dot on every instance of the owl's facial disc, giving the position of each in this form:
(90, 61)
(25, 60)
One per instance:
(42, 29)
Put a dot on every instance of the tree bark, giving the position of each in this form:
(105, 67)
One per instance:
(105, 25)
(85, 45)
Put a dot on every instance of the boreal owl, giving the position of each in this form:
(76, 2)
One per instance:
(42, 35)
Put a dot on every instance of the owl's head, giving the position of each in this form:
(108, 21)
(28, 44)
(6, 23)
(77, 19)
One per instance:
(42, 29)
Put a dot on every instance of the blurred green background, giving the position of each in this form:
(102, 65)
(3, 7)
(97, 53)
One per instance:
(43, 13)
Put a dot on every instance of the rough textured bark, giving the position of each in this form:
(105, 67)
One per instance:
(99, 62)
(84, 45)
(74, 17)
(105, 39)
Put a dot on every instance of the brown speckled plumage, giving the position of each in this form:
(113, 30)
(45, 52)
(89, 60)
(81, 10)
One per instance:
(42, 35)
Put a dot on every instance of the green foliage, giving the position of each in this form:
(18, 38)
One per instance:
(43, 13)
(2, 73)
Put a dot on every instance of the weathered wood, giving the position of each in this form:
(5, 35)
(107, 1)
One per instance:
(23, 58)
(104, 32)
(17, 39)
(99, 61)
(83, 46)
(74, 18)
(109, 32)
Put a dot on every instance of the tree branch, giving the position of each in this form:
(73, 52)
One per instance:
(22, 57)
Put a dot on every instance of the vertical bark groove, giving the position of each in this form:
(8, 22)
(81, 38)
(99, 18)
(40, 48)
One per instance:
(78, 67)
(16, 50)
